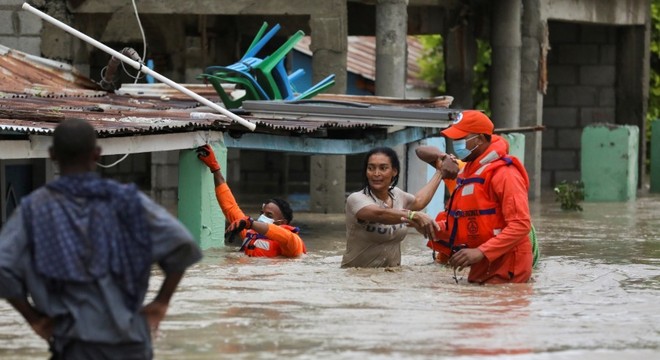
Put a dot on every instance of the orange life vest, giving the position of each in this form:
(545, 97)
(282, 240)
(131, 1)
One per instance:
(473, 217)
(258, 245)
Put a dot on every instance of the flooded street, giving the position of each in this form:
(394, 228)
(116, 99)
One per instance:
(595, 295)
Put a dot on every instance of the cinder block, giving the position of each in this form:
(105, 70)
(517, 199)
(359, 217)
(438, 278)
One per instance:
(30, 45)
(6, 23)
(165, 177)
(9, 41)
(560, 116)
(579, 54)
(606, 96)
(602, 75)
(593, 115)
(563, 74)
(607, 54)
(165, 158)
(577, 96)
(568, 176)
(595, 34)
(29, 24)
(609, 162)
(549, 138)
(563, 32)
(550, 98)
(559, 160)
(569, 138)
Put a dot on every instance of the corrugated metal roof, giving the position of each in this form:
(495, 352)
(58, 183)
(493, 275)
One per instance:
(36, 94)
(361, 57)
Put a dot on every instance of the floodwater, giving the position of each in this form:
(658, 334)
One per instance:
(595, 295)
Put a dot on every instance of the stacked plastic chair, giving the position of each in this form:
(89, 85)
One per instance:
(262, 79)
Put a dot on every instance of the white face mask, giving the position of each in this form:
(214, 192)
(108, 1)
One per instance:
(265, 219)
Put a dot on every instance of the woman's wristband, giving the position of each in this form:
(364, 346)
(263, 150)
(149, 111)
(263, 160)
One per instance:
(411, 215)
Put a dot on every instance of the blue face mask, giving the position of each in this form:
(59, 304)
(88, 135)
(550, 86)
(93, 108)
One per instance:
(460, 148)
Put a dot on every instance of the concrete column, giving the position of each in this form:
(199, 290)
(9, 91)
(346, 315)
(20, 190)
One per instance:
(535, 47)
(609, 162)
(505, 75)
(329, 46)
(391, 59)
(327, 183)
(56, 43)
(198, 208)
(460, 52)
(632, 81)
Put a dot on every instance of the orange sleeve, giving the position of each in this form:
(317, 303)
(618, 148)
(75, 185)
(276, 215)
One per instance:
(290, 243)
(451, 183)
(508, 186)
(228, 204)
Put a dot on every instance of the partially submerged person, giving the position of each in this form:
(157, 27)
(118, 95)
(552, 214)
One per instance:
(487, 224)
(271, 234)
(378, 215)
(81, 248)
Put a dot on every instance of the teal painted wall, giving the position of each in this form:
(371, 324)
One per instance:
(516, 145)
(609, 162)
(655, 156)
(198, 208)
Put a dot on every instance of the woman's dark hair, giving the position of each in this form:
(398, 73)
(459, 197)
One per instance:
(394, 159)
(284, 206)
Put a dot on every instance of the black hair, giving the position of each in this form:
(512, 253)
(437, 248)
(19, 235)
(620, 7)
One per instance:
(488, 137)
(73, 139)
(394, 159)
(284, 206)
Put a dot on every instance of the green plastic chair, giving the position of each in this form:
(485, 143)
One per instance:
(273, 78)
(251, 93)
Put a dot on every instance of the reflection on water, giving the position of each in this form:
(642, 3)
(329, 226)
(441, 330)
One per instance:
(594, 296)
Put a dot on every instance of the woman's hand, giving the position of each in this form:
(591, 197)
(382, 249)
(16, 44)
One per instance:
(448, 167)
(423, 223)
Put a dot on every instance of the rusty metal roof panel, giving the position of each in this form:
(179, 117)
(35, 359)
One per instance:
(36, 94)
(21, 73)
(361, 57)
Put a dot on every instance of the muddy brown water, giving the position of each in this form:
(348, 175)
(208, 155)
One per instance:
(595, 295)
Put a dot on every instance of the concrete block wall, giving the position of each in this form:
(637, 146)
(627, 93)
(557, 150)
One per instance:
(581, 82)
(165, 179)
(19, 29)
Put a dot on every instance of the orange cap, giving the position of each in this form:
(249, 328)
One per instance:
(469, 122)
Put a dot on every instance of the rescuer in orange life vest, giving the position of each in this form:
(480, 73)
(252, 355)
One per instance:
(487, 222)
(268, 236)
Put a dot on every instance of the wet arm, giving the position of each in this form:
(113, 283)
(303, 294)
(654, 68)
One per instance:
(380, 215)
(226, 199)
(156, 310)
(430, 154)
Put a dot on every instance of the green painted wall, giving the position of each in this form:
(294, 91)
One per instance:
(198, 208)
(609, 162)
(516, 145)
(655, 156)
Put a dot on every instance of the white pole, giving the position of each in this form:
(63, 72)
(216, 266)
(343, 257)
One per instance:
(139, 67)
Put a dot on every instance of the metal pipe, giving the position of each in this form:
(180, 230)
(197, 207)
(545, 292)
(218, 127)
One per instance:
(139, 66)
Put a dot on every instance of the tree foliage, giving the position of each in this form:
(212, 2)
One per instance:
(432, 69)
